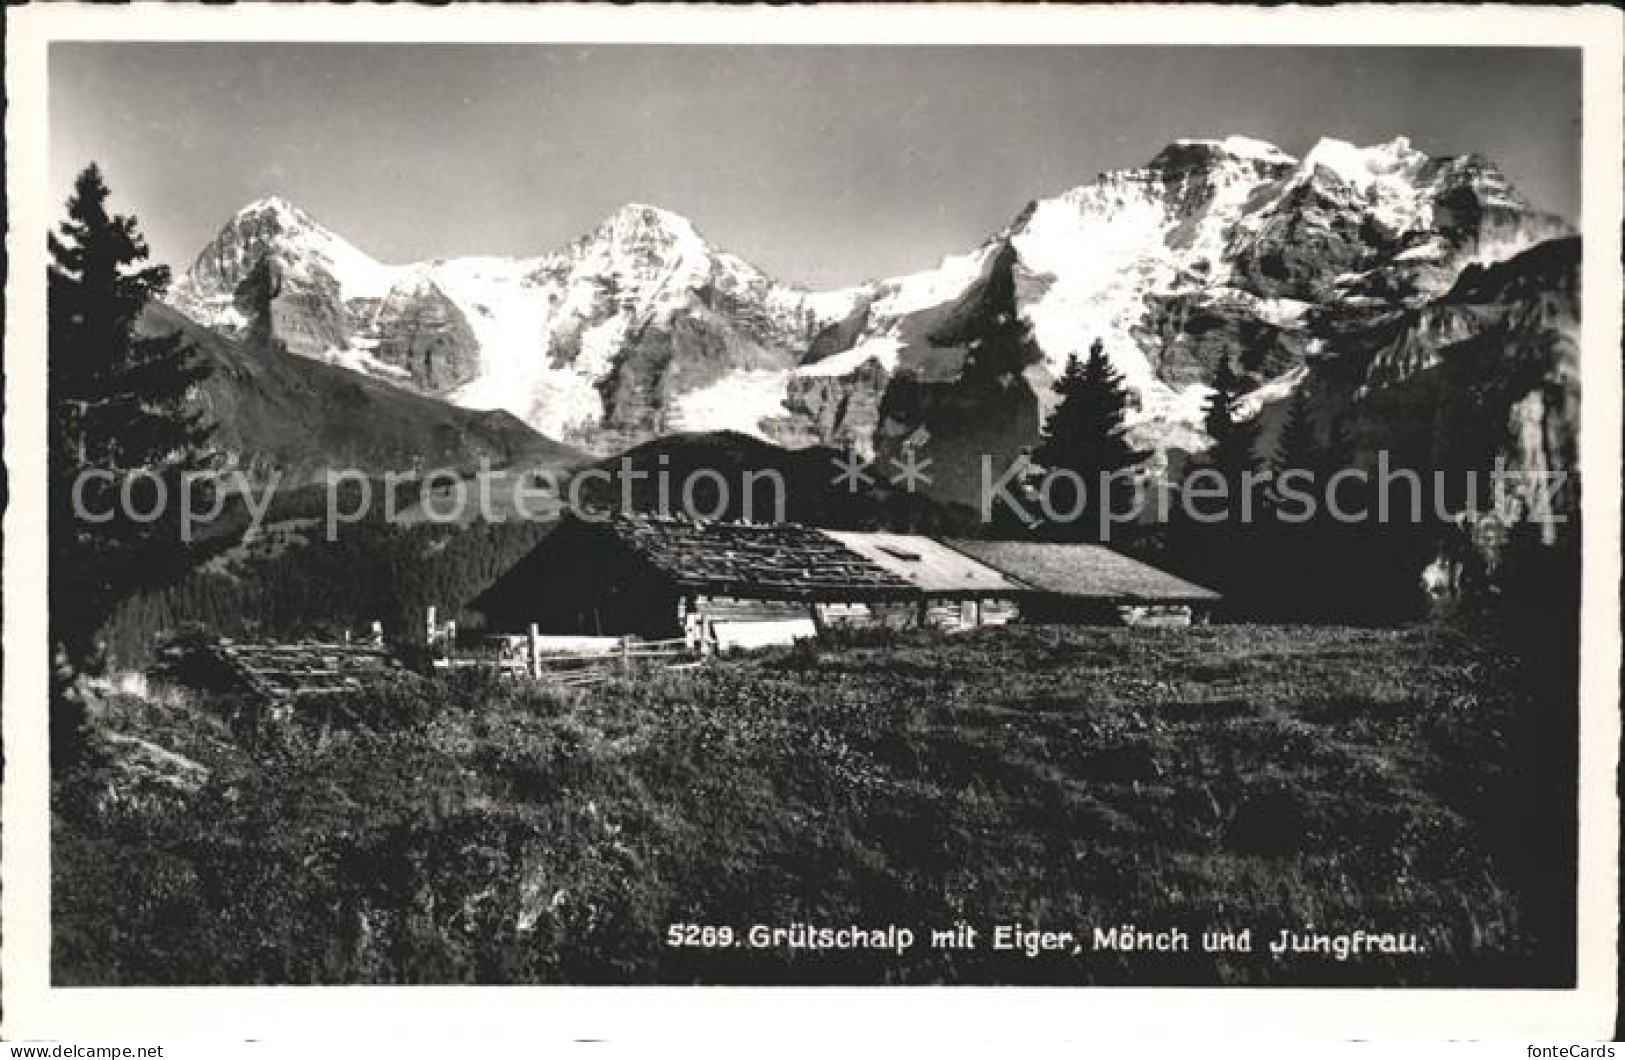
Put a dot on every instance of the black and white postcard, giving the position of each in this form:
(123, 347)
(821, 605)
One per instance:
(883, 500)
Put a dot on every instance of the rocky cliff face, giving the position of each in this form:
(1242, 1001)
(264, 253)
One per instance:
(1485, 378)
(1341, 271)
(291, 305)
(278, 280)
(417, 329)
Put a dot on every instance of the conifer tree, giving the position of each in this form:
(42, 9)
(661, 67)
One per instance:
(1296, 535)
(1207, 542)
(1085, 434)
(1234, 439)
(118, 421)
(1296, 447)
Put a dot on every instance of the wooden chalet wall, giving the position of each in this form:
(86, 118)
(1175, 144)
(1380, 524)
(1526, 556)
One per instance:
(1160, 615)
(747, 609)
(938, 612)
(1075, 611)
(581, 579)
(934, 613)
(1051, 608)
(951, 613)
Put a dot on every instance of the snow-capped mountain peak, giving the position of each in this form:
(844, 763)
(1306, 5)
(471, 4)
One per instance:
(277, 206)
(274, 225)
(1385, 174)
(1385, 179)
(645, 245)
(638, 218)
(1240, 147)
(1361, 167)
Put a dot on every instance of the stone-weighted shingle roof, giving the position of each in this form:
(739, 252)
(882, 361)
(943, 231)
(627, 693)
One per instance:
(779, 560)
(1084, 571)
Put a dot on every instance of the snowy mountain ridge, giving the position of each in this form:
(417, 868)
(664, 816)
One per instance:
(1216, 249)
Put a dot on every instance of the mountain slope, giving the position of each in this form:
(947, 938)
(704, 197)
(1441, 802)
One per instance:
(1489, 373)
(279, 413)
(728, 475)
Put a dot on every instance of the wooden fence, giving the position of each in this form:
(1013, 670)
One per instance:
(571, 661)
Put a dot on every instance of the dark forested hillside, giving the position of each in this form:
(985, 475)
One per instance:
(290, 581)
(729, 475)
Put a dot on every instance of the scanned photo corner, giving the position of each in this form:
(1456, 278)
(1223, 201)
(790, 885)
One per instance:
(975, 501)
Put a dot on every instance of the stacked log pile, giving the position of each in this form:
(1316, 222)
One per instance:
(281, 673)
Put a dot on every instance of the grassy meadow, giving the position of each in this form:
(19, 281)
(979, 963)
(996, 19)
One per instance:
(1327, 779)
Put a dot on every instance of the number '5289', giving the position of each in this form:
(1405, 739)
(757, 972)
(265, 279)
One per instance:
(705, 936)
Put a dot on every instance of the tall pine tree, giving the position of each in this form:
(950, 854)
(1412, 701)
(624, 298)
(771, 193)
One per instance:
(1296, 446)
(1297, 534)
(118, 421)
(1234, 439)
(1085, 434)
(1212, 536)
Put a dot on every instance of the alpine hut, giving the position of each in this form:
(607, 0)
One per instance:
(659, 578)
(760, 583)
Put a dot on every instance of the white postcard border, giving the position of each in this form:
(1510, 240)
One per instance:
(33, 1009)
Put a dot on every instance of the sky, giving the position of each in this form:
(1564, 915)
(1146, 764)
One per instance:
(825, 166)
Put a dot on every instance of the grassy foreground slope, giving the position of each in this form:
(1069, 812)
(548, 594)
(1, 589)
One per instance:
(1331, 779)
